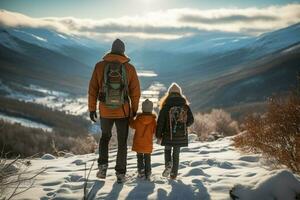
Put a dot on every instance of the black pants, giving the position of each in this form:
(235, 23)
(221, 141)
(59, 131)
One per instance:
(122, 135)
(172, 157)
(144, 162)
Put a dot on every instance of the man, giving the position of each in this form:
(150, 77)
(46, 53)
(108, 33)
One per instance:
(115, 84)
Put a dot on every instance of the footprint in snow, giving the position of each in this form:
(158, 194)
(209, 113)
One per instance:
(249, 158)
(196, 172)
(53, 183)
(78, 162)
(74, 178)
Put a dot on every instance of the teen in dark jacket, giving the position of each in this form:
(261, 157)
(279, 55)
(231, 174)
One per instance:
(174, 118)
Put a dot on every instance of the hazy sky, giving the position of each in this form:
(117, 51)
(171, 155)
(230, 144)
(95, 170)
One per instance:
(97, 9)
(162, 19)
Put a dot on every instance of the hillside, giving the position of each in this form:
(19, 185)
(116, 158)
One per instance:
(251, 83)
(218, 69)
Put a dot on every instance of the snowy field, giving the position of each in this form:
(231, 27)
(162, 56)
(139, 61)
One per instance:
(208, 170)
(70, 104)
(25, 122)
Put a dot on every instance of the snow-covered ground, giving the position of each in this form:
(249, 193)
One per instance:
(208, 170)
(25, 122)
(50, 98)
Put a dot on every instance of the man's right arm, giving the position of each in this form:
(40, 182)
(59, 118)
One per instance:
(93, 91)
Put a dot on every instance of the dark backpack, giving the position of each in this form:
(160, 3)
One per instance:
(178, 121)
(115, 85)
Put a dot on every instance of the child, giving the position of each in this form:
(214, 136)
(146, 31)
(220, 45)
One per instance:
(144, 125)
(174, 117)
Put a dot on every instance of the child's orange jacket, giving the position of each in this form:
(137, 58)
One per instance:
(145, 126)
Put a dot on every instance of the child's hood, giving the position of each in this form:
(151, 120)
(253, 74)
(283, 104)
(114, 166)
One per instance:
(146, 118)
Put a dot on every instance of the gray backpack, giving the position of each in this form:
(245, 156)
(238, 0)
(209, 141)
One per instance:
(178, 121)
(115, 85)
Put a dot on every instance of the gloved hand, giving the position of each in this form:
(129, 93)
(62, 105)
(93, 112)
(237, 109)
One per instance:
(93, 116)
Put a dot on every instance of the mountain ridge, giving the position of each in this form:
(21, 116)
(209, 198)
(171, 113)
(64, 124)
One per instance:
(236, 56)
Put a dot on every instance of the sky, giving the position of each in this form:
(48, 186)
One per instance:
(163, 19)
(97, 9)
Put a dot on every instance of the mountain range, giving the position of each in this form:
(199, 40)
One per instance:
(216, 69)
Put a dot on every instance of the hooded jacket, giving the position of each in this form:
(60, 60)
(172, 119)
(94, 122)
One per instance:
(179, 139)
(95, 87)
(145, 126)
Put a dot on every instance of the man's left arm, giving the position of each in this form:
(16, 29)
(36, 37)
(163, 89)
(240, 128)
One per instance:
(93, 91)
(134, 90)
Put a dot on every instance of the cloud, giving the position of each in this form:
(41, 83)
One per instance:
(226, 19)
(168, 24)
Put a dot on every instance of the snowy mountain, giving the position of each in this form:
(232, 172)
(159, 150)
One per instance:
(207, 171)
(83, 49)
(215, 64)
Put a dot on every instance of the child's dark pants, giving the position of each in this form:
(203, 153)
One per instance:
(173, 158)
(144, 162)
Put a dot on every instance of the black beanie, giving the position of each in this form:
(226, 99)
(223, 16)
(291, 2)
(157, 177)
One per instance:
(118, 47)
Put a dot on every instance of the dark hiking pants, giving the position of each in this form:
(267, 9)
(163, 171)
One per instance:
(172, 157)
(122, 135)
(144, 162)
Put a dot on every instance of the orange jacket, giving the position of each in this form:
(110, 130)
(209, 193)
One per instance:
(145, 126)
(96, 86)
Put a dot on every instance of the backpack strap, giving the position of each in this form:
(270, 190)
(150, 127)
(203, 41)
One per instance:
(170, 123)
(104, 82)
(125, 80)
(126, 89)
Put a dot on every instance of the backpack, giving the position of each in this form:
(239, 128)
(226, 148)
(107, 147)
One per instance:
(178, 121)
(115, 85)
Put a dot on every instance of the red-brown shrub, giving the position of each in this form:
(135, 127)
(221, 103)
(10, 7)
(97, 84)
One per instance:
(276, 134)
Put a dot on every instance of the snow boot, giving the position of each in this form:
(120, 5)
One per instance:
(141, 173)
(102, 171)
(121, 178)
(173, 176)
(167, 170)
(148, 176)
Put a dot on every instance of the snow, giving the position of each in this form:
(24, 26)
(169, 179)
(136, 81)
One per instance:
(48, 157)
(50, 39)
(68, 155)
(201, 176)
(152, 93)
(74, 105)
(281, 185)
(25, 122)
(50, 98)
(9, 42)
(144, 73)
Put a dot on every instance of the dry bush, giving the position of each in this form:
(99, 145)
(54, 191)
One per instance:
(218, 123)
(25, 141)
(224, 123)
(276, 134)
(84, 145)
(202, 126)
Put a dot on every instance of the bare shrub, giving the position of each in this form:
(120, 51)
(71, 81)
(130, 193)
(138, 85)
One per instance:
(224, 124)
(202, 126)
(276, 134)
(216, 124)
(25, 141)
(84, 145)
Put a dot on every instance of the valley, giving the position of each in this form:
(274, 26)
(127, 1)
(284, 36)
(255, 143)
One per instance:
(215, 69)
